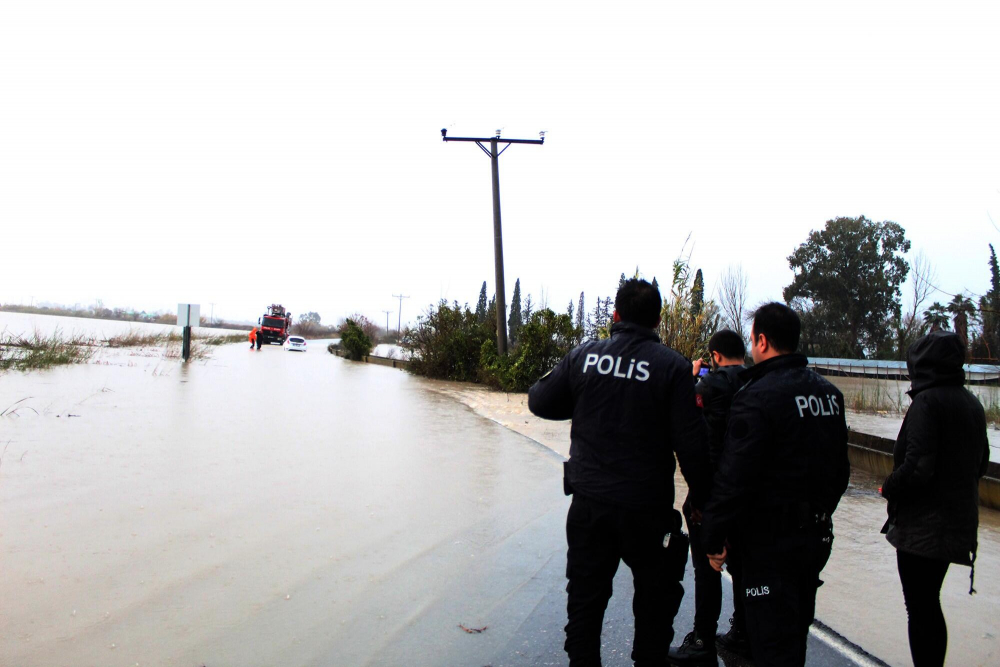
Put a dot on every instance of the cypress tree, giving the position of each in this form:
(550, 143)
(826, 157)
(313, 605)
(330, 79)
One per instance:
(514, 321)
(698, 294)
(482, 305)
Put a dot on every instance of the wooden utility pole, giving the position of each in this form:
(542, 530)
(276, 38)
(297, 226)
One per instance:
(400, 321)
(494, 156)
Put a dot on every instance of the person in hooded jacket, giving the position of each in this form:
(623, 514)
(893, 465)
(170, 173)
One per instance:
(933, 491)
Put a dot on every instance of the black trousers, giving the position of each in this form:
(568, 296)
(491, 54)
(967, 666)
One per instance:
(922, 578)
(599, 536)
(708, 588)
(780, 579)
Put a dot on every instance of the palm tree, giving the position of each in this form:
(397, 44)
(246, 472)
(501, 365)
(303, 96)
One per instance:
(936, 317)
(962, 309)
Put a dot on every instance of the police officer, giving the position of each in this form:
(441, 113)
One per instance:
(783, 470)
(714, 395)
(632, 403)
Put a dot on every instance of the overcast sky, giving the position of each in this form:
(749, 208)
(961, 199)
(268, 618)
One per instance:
(244, 153)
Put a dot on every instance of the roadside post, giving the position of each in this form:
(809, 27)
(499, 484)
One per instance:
(187, 314)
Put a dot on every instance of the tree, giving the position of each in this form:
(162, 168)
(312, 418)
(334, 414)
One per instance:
(308, 324)
(988, 345)
(569, 310)
(514, 321)
(528, 309)
(447, 341)
(936, 317)
(580, 309)
(911, 326)
(698, 293)
(962, 310)
(733, 300)
(545, 339)
(356, 343)
(847, 286)
(621, 281)
(482, 305)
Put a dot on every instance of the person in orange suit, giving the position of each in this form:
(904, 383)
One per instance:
(253, 337)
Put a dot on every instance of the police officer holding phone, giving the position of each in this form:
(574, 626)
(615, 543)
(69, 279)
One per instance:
(714, 394)
(633, 407)
(782, 472)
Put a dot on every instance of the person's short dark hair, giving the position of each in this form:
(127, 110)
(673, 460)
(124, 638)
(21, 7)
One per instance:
(639, 302)
(728, 343)
(780, 324)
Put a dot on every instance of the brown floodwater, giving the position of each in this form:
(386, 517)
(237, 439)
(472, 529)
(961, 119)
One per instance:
(260, 508)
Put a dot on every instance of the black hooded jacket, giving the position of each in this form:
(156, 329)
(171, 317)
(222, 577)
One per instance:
(940, 454)
(633, 406)
(785, 454)
(714, 394)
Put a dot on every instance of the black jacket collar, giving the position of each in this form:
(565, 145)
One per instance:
(634, 330)
(780, 362)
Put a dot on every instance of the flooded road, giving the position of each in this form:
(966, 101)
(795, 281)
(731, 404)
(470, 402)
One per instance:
(262, 508)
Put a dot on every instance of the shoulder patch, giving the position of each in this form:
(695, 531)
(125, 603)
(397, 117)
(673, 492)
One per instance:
(699, 401)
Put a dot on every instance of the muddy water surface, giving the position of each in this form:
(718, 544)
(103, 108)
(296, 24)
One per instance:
(261, 508)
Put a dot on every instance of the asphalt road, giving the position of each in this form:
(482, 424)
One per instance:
(539, 640)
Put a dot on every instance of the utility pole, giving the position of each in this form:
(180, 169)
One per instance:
(494, 156)
(387, 312)
(211, 318)
(399, 323)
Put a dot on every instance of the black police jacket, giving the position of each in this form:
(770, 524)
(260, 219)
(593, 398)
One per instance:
(714, 394)
(632, 403)
(785, 454)
(940, 454)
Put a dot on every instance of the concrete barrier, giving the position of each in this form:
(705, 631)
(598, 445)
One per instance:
(380, 361)
(873, 454)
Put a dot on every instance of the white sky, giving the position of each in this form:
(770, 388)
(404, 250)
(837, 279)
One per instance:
(244, 153)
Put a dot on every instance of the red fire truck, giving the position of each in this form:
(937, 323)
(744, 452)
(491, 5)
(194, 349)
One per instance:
(275, 325)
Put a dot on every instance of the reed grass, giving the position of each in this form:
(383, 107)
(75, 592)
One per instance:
(39, 351)
(25, 353)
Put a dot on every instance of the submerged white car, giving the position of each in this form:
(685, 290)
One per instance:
(295, 343)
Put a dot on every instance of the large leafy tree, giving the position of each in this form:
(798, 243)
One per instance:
(847, 286)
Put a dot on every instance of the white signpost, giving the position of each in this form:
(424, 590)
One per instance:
(188, 315)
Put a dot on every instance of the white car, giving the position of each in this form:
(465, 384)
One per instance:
(295, 343)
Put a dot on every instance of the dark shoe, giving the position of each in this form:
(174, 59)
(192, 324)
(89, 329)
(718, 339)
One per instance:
(735, 641)
(693, 651)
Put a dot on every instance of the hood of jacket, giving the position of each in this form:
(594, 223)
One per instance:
(936, 360)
